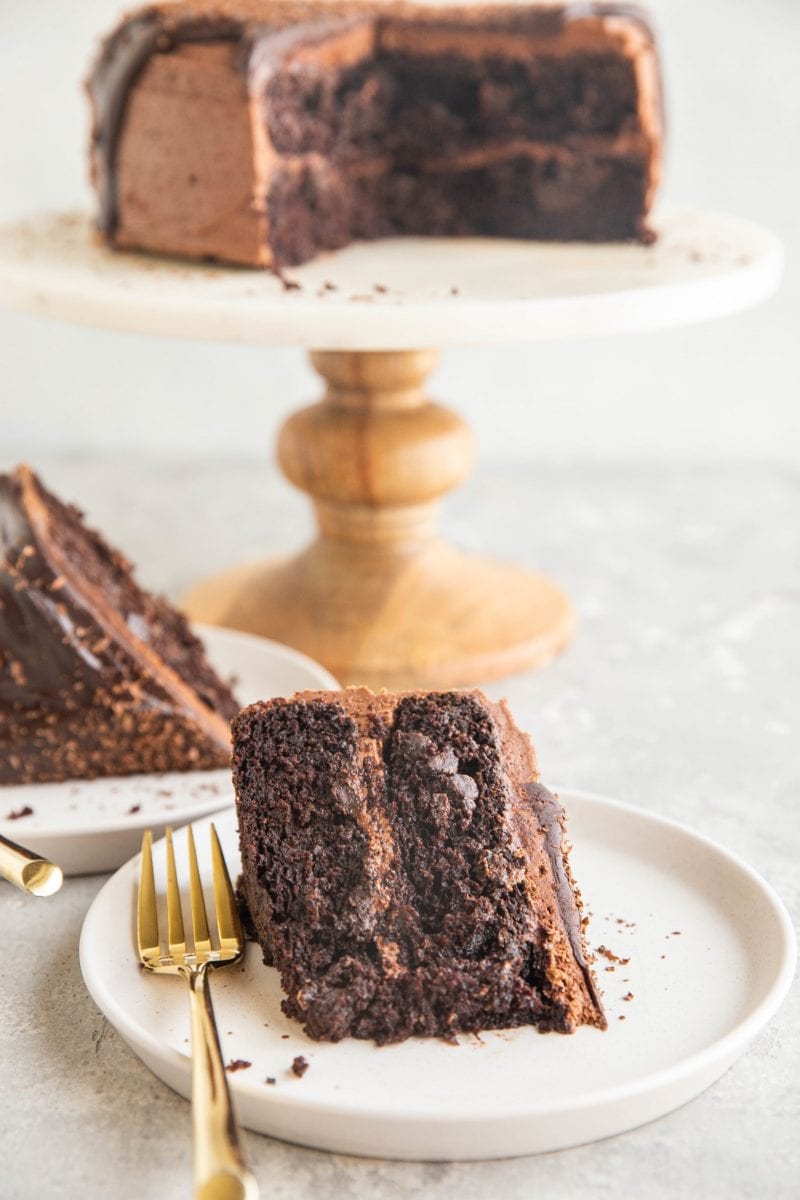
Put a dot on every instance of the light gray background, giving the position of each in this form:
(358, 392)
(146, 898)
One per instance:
(680, 693)
(727, 390)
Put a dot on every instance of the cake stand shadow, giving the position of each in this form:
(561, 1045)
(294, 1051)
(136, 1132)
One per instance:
(378, 597)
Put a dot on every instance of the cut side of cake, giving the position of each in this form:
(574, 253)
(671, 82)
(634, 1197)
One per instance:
(262, 132)
(97, 676)
(404, 869)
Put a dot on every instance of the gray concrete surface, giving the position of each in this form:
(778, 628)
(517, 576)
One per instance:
(681, 694)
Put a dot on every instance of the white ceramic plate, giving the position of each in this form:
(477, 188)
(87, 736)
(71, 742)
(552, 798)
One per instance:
(95, 825)
(711, 952)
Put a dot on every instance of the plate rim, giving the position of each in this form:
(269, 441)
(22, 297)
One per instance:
(137, 822)
(723, 1050)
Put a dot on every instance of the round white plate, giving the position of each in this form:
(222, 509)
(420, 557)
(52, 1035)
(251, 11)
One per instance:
(94, 825)
(711, 952)
(401, 293)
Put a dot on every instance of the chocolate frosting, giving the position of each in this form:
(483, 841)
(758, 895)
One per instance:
(550, 816)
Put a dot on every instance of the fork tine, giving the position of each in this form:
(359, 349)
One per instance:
(177, 938)
(228, 923)
(202, 942)
(147, 909)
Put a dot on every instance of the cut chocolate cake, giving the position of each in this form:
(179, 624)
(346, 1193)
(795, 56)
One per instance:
(97, 677)
(264, 131)
(403, 868)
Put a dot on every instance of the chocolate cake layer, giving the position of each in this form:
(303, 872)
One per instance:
(97, 676)
(263, 131)
(404, 869)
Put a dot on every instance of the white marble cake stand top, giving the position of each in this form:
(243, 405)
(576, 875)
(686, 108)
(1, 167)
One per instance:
(404, 293)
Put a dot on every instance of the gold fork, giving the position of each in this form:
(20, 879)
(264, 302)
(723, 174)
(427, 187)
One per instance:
(219, 1168)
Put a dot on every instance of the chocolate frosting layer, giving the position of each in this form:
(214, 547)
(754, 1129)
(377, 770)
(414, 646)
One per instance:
(551, 818)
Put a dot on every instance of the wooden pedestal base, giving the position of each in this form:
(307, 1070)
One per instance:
(378, 598)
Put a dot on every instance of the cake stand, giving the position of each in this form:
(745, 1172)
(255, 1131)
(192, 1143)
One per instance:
(378, 597)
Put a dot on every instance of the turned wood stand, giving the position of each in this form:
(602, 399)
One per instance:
(378, 597)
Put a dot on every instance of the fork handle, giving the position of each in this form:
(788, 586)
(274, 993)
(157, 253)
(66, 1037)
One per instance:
(219, 1169)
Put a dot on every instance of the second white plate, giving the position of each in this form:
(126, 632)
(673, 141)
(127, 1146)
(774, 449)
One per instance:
(703, 954)
(92, 825)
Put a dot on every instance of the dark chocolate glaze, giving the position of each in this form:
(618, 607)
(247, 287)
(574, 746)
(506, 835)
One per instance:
(550, 816)
(157, 30)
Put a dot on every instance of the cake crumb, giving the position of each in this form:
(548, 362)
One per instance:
(270, 1080)
(238, 1064)
(628, 996)
(621, 1017)
(284, 1036)
(611, 956)
(16, 815)
(134, 808)
(381, 288)
(299, 1066)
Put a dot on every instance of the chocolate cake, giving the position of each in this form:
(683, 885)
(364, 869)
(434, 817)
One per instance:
(264, 131)
(404, 869)
(97, 677)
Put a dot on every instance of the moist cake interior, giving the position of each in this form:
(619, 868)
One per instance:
(447, 146)
(399, 872)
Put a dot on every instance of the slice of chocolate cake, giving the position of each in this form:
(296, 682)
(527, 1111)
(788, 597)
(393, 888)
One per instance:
(264, 131)
(97, 676)
(403, 868)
